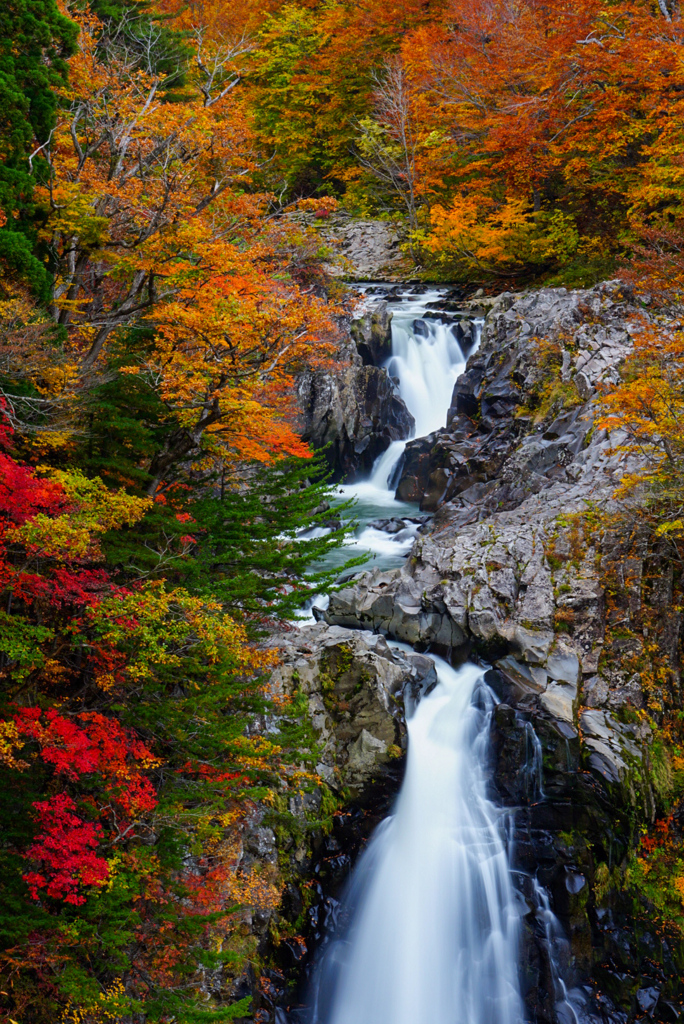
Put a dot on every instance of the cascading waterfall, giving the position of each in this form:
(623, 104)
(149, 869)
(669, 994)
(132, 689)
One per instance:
(426, 361)
(431, 915)
(428, 930)
(566, 1003)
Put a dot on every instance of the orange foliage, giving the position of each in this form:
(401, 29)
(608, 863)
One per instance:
(150, 225)
(563, 106)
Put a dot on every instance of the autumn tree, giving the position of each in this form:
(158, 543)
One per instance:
(150, 390)
(544, 118)
(387, 142)
(150, 231)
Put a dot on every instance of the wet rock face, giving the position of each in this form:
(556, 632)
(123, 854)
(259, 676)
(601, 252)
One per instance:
(357, 412)
(492, 453)
(372, 334)
(354, 408)
(357, 688)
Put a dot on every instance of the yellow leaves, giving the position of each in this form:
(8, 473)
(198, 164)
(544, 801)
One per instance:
(254, 890)
(677, 526)
(108, 1008)
(157, 628)
(10, 744)
(46, 442)
(483, 236)
(100, 508)
(52, 538)
(678, 884)
(480, 237)
(74, 213)
(95, 510)
(20, 311)
(257, 746)
(644, 865)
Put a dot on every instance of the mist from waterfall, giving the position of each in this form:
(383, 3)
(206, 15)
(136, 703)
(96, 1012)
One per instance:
(431, 919)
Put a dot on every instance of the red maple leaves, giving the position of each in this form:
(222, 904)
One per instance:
(100, 754)
(66, 848)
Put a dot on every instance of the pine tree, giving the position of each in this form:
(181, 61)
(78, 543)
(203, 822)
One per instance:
(265, 545)
(35, 39)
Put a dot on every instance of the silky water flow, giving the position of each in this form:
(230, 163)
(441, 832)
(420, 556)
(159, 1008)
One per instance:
(429, 930)
(426, 361)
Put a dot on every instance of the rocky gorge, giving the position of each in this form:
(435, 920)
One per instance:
(520, 569)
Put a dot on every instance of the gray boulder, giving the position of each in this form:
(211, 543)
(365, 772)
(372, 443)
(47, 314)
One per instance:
(357, 689)
(357, 412)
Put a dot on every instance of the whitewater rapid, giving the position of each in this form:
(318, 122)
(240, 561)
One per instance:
(431, 916)
(426, 360)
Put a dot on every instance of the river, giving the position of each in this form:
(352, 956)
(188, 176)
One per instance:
(430, 919)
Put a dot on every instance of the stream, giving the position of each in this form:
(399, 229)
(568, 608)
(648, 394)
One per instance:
(426, 361)
(430, 921)
(428, 929)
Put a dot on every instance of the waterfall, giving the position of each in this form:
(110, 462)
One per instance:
(426, 360)
(431, 919)
(566, 1003)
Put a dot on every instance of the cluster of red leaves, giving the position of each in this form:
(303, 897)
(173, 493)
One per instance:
(102, 762)
(93, 743)
(661, 836)
(66, 848)
(89, 747)
(23, 495)
(209, 773)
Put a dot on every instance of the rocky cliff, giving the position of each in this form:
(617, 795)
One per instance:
(354, 411)
(519, 569)
(572, 613)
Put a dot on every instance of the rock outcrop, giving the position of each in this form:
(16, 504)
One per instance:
(370, 249)
(354, 409)
(521, 412)
(509, 567)
(357, 689)
(371, 332)
(355, 413)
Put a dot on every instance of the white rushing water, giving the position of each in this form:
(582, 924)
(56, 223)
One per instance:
(432, 918)
(426, 360)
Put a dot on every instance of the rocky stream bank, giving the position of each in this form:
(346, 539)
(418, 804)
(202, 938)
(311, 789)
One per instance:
(519, 569)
